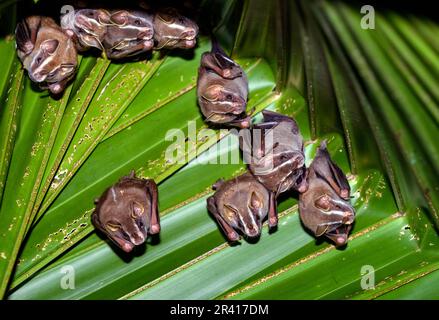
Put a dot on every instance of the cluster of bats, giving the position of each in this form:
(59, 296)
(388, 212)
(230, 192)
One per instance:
(276, 165)
(127, 212)
(49, 52)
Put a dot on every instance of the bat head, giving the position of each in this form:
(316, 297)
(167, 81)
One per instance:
(123, 213)
(133, 25)
(275, 154)
(322, 210)
(173, 30)
(243, 203)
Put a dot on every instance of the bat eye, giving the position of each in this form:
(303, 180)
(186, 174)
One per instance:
(91, 14)
(137, 22)
(229, 97)
(38, 60)
(113, 227)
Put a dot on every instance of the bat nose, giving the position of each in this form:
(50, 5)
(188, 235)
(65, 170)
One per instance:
(348, 217)
(252, 230)
(189, 34)
(145, 35)
(138, 238)
(36, 77)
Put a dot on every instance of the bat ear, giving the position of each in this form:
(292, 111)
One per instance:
(120, 17)
(137, 209)
(230, 211)
(212, 93)
(255, 201)
(320, 230)
(50, 46)
(167, 17)
(95, 220)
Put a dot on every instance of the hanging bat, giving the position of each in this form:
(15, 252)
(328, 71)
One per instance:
(240, 204)
(130, 33)
(87, 27)
(222, 89)
(172, 30)
(324, 208)
(128, 211)
(276, 156)
(48, 55)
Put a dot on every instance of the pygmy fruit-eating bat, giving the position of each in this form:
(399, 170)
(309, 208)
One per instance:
(87, 27)
(240, 204)
(277, 160)
(48, 55)
(129, 33)
(275, 155)
(324, 208)
(172, 30)
(222, 89)
(128, 211)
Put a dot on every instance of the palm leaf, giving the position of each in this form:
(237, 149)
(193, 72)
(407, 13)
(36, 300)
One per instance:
(371, 93)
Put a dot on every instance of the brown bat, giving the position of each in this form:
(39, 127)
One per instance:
(275, 156)
(172, 30)
(87, 27)
(222, 89)
(130, 33)
(240, 204)
(128, 211)
(324, 208)
(48, 55)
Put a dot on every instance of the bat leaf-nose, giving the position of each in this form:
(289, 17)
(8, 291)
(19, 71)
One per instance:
(348, 217)
(138, 239)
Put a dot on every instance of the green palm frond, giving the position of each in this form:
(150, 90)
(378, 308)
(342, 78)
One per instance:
(371, 93)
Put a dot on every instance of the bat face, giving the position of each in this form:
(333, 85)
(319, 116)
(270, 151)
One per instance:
(277, 158)
(222, 89)
(324, 209)
(48, 55)
(172, 30)
(127, 212)
(130, 33)
(86, 26)
(240, 204)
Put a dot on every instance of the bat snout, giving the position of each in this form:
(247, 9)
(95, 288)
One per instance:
(189, 34)
(37, 76)
(138, 238)
(348, 217)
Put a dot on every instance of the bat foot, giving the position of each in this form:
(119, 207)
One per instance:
(233, 236)
(154, 229)
(272, 222)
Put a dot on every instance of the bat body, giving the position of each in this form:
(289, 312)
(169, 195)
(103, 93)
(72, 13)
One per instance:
(87, 27)
(130, 33)
(324, 208)
(222, 89)
(172, 30)
(240, 204)
(48, 55)
(128, 211)
(275, 155)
